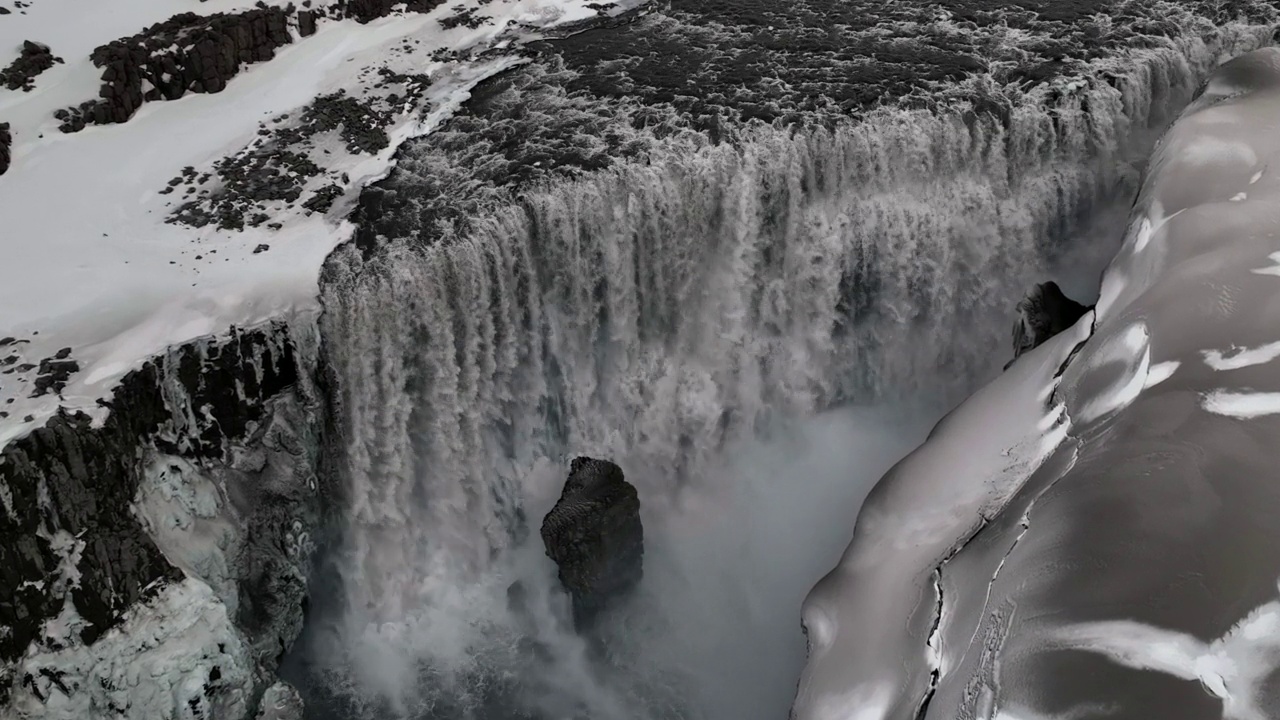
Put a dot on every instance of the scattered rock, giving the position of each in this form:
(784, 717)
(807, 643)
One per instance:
(54, 373)
(34, 59)
(262, 247)
(465, 17)
(1043, 313)
(361, 123)
(595, 537)
(323, 198)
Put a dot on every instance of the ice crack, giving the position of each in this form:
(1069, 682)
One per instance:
(934, 643)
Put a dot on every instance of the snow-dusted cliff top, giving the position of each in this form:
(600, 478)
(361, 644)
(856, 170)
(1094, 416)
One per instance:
(89, 261)
(1095, 533)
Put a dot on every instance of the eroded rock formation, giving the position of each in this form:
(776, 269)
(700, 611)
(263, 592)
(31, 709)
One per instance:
(595, 537)
(1043, 313)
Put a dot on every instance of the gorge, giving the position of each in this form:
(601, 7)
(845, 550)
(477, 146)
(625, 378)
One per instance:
(755, 303)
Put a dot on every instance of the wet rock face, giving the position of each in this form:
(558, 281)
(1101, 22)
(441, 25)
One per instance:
(215, 439)
(1043, 313)
(33, 59)
(595, 537)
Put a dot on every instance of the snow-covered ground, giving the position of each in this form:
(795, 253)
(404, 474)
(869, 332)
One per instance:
(87, 261)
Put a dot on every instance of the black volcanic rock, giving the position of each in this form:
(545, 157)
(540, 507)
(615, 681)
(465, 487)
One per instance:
(55, 372)
(306, 23)
(595, 537)
(186, 53)
(6, 140)
(1043, 313)
(190, 52)
(33, 59)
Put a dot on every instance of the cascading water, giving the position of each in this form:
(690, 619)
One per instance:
(682, 317)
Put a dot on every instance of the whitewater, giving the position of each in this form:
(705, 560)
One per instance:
(728, 323)
(756, 328)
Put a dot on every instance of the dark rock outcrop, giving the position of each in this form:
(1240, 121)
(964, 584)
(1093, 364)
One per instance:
(595, 537)
(213, 406)
(54, 372)
(201, 53)
(186, 53)
(6, 142)
(1043, 313)
(33, 59)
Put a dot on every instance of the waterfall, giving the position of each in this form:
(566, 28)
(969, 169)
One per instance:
(660, 312)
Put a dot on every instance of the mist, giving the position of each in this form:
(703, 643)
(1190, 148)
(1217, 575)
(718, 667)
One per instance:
(712, 632)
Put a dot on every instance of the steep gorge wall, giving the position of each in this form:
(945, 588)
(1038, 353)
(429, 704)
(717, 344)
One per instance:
(656, 311)
(205, 468)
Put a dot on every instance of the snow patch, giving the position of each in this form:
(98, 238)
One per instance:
(1160, 372)
(1273, 270)
(1242, 405)
(1132, 349)
(1238, 357)
(1232, 668)
(1144, 235)
(1239, 197)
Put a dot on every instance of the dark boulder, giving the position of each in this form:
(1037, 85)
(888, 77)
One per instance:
(595, 537)
(1043, 313)
(306, 23)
